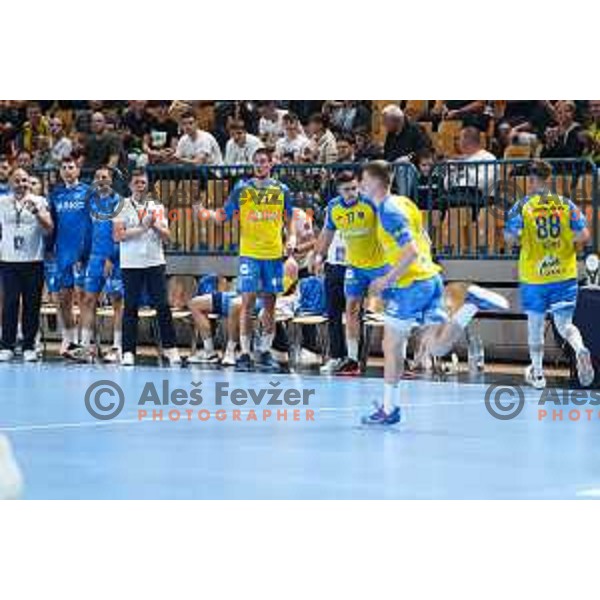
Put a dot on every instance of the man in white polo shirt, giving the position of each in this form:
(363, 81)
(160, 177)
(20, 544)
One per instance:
(141, 228)
(24, 220)
(196, 147)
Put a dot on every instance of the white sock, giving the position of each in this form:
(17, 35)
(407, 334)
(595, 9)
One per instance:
(464, 315)
(209, 344)
(573, 336)
(537, 358)
(86, 337)
(230, 347)
(69, 335)
(390, 396)
(352, 344)
(266, 342)
(245, 344)
(117, 339)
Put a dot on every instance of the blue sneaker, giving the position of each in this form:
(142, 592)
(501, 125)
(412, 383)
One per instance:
(380, 417)
(485, 299)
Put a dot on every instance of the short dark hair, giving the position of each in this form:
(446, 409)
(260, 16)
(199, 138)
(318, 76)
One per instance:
(380, 169)
(540, 169)
(237, 125)
(345, 176)
(187, 114)
(346, 137)
(320, 118)
(263, 150)
(137, 173)
(291, 117)
(69, 158)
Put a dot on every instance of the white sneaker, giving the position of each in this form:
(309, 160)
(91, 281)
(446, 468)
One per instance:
(30, 356)
(128, 359)
(486, 299)
(331, 366)
(172, 356)
(11, 479)
(535, 379)
(585, 369)
(203, 357)
(114, 356)
(228, 359)
(308, 358)
(6, 355)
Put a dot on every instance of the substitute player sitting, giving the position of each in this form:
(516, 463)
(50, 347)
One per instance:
(412, 288)
(225, 305)
(548, 227)
(355, 217)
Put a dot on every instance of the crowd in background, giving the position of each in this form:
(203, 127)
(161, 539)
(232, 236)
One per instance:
(37, 134)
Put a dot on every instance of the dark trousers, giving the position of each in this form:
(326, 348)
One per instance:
(336, 305)
(23, 284)
(309, 332)
(154, 281)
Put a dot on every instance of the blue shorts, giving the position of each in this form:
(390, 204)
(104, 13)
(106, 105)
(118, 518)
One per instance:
(541, 298)
(221, 302)
(260, 275)
(61, 275)
(95, 281)
(422, 302)
(357, 280)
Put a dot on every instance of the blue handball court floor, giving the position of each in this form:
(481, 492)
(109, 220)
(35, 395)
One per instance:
(450, 447)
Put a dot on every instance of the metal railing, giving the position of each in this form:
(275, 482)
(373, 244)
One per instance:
(464, 203)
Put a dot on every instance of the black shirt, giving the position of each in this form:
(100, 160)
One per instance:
(411, 140)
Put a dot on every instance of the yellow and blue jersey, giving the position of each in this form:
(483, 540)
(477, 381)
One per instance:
(546, 224)
(262, 208)
(400, 223)
(357, 224)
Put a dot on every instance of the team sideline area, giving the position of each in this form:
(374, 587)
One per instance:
(451, 447)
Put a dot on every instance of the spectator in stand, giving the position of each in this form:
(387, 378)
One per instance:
(323, 141)
(566, 140)
(270, 124)
(471, 112)
(196, 147)
(471, 149)
(42, 157)
(83, 118)
(532, 116)
(11, 120)
(24, 161)
(62, 146)
(294, 141)
(135, 123)
(403, 140)
(346, 115)
(4, 175)
(365, 148)
(160, 141)
(35, 127)
(592, 132)
(241, 146)
(102, 148)
(403, 143)
(345, 148)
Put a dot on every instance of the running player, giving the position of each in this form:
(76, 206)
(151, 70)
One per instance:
(355, 217)
(263, 206)
(548, 227)
(412, 288)
(70, 248)
(102, 267)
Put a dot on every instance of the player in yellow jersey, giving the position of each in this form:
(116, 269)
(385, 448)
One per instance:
(354, 216)
(548, 227)
(411, 288)
(263, 207)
